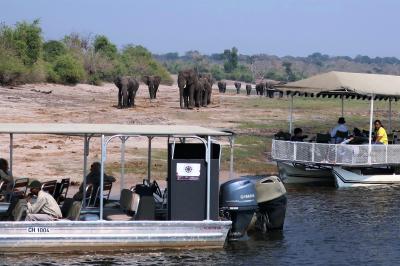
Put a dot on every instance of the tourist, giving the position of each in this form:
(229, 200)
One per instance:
(356, 138)
(340, 127)
(380, 133)
(4, 174)
(45, 207)
(298, 135)
(93, 178)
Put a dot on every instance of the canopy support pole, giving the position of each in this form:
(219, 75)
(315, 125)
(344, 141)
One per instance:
(342, 105)
(85, 156)
(208, 159)
(149, 159)
(291, 114)
(122, 181)
(103, 159)
(11, 153)
(390, 115)
(371, 115)
(231, 143)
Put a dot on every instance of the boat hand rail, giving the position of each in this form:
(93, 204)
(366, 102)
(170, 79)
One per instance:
(335, 154)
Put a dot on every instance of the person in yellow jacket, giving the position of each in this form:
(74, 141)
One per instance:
(380, 133)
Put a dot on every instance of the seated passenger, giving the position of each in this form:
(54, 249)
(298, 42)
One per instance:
(45, 207)
(4, 174)
(356, 138)
(339, 127)
(380, 133)
(298, 135)
(93, 178)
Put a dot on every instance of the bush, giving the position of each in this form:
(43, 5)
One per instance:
(25, 58)
(138, 61)
(25, 40)
(68, 69)
(12, 69)
(103, 45)
(217, 72)
(53, 49)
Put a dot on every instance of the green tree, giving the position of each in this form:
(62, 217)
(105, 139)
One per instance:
(290, 75)
(103, 45)
(138, 61)
(52, 49)
(68, 69)
(25, 40)
(231, 59)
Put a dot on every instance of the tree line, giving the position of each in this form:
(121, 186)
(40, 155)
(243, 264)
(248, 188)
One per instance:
(25, 57)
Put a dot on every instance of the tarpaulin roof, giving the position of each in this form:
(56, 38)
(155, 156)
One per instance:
(342, 82)
(108, 129)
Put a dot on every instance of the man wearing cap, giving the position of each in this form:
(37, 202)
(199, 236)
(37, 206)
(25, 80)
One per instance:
(45, 208)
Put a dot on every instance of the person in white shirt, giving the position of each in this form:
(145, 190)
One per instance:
(341, 126)
(45, 208)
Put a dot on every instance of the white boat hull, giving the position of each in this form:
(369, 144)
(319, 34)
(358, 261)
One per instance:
(64, 236)
(291, 174)
(345, 178)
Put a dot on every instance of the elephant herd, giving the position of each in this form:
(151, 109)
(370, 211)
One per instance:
(262, 88)
(238, 85)
(128, 86)
(194, 89)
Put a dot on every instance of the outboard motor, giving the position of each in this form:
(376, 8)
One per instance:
(271, 199)
(238, 203)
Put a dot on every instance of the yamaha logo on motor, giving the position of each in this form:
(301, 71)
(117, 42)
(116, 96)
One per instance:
(247, 196)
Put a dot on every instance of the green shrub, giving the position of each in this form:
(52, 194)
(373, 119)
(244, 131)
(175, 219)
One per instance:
(103, 45)
(217, 72)
(53, 49)
(138, 61)
(36, 73)
(68, 69)
(12, 69)
(25, 39)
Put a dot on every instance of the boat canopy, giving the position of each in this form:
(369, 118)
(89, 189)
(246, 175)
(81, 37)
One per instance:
(108, 129)
(336, 83)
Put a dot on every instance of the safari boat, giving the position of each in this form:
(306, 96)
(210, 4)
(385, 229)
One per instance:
(192, 221)
(343, 164)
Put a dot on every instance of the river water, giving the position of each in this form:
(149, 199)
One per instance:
(324, 226)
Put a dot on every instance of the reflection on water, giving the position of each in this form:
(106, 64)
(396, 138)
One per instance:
(324, 226)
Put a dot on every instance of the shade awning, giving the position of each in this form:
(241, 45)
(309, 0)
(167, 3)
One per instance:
(108, 129)
(359, 83)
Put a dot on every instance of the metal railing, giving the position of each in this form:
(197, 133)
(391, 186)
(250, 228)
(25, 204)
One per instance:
(335, 154)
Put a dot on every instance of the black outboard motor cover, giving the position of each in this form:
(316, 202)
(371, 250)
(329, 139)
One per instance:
(238, 203)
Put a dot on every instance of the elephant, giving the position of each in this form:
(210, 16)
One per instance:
(248, 89)
(127, 88)
(222, 86)
(269, 89)
(187, 83)
(152, 82)
(237, 86)
(260, 88)
(203, 92)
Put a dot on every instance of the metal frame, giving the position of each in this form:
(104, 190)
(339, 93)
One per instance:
(207, 140)
(377, 154)
(207, 143)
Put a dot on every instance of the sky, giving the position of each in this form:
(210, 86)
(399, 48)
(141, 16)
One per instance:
(275, 27)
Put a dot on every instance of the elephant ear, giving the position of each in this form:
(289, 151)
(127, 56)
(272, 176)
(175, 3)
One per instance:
(146, 79)
(117, 82)
(157, 79)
